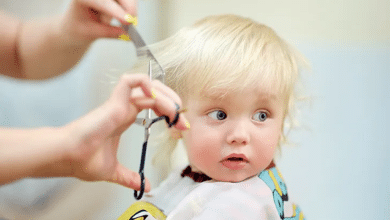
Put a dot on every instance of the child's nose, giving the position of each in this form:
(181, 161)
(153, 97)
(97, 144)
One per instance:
(239, 133)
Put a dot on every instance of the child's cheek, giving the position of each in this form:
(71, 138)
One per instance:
(199, 148)
(268, 145)
(196, 150)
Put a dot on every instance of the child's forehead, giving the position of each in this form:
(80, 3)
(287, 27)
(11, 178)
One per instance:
(226, 93)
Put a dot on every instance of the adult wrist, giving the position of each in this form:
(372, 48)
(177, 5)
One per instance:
(55, 160)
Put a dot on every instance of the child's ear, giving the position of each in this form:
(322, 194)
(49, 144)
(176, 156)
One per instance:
(175, 133)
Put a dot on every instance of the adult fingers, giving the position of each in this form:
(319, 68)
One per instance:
(130, 6)
(182, 123)
(161, 105)
(130, 81)
(167, 91)
(105, 19)
(104, 30)
(128, 178)
(112, 8)
(161, 100)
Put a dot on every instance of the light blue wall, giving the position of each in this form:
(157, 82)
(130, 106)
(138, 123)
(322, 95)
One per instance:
(340, 167)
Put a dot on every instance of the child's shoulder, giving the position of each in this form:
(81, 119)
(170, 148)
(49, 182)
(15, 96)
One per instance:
(275, 182)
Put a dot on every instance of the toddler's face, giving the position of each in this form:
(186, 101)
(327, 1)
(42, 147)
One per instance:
(234, 137)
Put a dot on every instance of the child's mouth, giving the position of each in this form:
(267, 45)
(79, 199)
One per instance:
(235, 161)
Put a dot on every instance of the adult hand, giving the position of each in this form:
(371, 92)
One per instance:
(87, 20)
(93, 157)
(28, 47)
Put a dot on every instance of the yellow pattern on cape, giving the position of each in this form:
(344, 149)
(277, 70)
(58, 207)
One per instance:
(139, 210)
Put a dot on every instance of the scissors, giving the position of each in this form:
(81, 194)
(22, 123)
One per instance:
(147, 122)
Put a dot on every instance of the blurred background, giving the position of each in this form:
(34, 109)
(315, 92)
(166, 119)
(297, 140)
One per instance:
(339, 165)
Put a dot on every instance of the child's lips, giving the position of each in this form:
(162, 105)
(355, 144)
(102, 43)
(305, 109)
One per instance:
(234, 155)
(235, 161)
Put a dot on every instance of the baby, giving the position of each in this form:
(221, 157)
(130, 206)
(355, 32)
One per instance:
(236, 78)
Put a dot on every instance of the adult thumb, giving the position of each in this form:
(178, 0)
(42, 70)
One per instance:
(128, 178)
(103, 30)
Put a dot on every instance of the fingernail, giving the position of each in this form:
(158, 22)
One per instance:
(153, 94)
(124, 37)
(131, 19)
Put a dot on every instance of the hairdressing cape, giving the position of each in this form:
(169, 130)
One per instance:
(260, 197)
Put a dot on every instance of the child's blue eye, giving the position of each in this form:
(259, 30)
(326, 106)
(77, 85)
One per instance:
(217, 115)
(260, 116)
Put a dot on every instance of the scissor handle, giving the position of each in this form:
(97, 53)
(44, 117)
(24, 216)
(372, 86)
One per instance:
(142, 190)
(174, 121)
(144, 146)
(141, 172)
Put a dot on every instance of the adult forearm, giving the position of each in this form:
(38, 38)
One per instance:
(44, 52)
(33, 153)
(9, 59)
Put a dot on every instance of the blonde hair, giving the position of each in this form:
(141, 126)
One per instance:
(225, 52)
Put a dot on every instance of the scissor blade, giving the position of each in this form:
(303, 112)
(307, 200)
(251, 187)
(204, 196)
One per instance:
(149, 111)
(140, 43)
(135, 37)
(140, 121)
